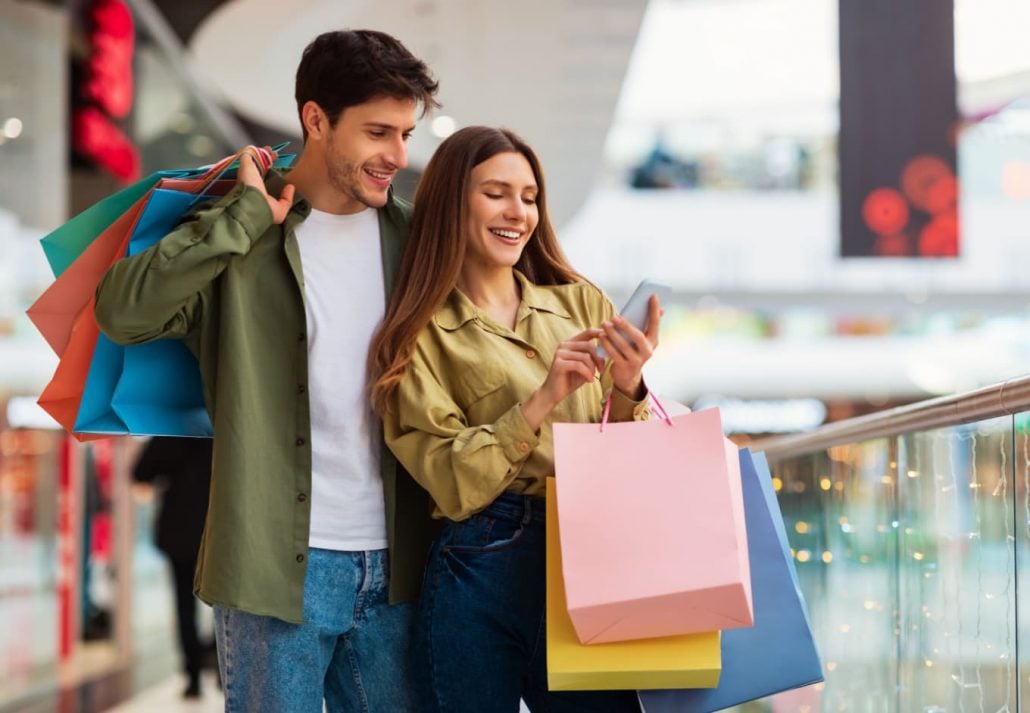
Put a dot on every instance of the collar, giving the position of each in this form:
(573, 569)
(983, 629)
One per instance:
(275, 183)
(458, 309)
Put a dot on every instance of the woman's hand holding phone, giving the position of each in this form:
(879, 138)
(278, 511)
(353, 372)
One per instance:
(629, 348)
(575, 363)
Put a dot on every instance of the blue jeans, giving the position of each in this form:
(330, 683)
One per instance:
(353, 649)
(480, 629)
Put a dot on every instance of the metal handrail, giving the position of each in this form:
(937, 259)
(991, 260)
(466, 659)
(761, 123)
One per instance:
(1003, 399)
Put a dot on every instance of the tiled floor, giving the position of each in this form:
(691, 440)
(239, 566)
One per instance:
(166, 697)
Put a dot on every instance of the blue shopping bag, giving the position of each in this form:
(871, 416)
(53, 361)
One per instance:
(151, 389)
(778, 653)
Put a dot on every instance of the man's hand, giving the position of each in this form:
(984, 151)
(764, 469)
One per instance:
(249, 174)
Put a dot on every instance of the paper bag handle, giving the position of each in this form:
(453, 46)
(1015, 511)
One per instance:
(650, 394)
(262, 157)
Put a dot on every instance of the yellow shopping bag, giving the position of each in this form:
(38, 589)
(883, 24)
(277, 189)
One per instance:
(688, 661)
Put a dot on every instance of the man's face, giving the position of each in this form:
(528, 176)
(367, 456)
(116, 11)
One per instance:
(367, 147)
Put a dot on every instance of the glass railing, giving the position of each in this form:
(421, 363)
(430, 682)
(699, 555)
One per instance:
(910, 533)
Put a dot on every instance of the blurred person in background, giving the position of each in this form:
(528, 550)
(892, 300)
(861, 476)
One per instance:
(487, 340)
(180, 470)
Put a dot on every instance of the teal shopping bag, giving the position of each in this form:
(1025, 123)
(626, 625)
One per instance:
(151, 389)
(64, 245)
(778, 653)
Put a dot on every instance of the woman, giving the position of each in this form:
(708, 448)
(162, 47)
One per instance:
(489, 338)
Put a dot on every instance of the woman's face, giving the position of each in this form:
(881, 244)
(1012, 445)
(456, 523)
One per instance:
(502, 210)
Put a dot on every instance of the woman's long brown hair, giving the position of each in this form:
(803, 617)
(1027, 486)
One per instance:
(433, 257)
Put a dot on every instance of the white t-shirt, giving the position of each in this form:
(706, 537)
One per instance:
(343, 291)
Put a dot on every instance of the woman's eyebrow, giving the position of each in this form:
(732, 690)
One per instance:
(505, 184)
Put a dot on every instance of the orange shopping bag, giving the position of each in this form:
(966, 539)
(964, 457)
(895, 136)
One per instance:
(57, 308)
(63, 395)
(653, 540)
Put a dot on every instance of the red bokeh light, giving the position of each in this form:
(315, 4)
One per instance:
(940, 236)
(885, 211)
(920, 177)
(892, 245)
(96, 137)
(942, 196)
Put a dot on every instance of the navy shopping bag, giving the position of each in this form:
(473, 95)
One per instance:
(778, 653)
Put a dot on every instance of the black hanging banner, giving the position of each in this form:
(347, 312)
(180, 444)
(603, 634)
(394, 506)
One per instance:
(898, 124)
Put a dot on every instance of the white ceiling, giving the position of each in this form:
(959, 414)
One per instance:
(549, 69)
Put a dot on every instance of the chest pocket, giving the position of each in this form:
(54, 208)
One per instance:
(484, 381)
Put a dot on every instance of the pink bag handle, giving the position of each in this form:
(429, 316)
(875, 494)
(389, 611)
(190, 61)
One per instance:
(658, 406)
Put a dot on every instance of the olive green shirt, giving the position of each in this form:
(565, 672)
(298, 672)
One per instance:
(229, 282)
(456, 421)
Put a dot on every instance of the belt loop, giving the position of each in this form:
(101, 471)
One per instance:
(527, 510)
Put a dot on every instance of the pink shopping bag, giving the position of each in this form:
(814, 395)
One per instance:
(653, 540)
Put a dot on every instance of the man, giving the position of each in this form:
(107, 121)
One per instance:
(277, 288)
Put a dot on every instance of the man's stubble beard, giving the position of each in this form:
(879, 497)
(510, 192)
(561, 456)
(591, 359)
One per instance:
(344, 176)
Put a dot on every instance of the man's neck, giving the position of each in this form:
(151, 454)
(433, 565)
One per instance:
(311, 179)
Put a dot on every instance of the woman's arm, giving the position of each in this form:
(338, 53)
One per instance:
(466, 467)
(463, 467)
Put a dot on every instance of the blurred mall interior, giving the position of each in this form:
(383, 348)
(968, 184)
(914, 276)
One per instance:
(838, 192)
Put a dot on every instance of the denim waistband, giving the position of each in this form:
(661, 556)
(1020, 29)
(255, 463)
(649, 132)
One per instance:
(516, 508)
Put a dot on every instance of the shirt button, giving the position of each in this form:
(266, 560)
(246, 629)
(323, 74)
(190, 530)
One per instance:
(301, 497)
(524, 447)
(301, 389)
(300, 558)
(300, 337)
(531, 354)
(300, 441)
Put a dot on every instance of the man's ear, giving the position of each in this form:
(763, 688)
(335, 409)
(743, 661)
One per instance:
(315, 120)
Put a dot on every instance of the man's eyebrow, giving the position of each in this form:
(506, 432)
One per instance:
(389, 127)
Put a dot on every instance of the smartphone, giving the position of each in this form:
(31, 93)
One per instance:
(635, 309)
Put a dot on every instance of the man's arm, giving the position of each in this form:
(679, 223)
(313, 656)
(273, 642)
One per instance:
(156, 292)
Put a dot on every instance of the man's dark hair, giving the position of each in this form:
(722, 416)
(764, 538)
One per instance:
(349, 67)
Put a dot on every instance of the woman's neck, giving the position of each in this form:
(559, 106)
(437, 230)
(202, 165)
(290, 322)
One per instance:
(496, 292)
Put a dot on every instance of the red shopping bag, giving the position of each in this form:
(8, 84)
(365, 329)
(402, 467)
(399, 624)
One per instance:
(63, 395)
(653, 540)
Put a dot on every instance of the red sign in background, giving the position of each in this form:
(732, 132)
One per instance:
(105, 92)
(899, 117)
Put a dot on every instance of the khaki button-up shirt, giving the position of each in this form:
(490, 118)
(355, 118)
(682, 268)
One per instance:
(456, 423)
